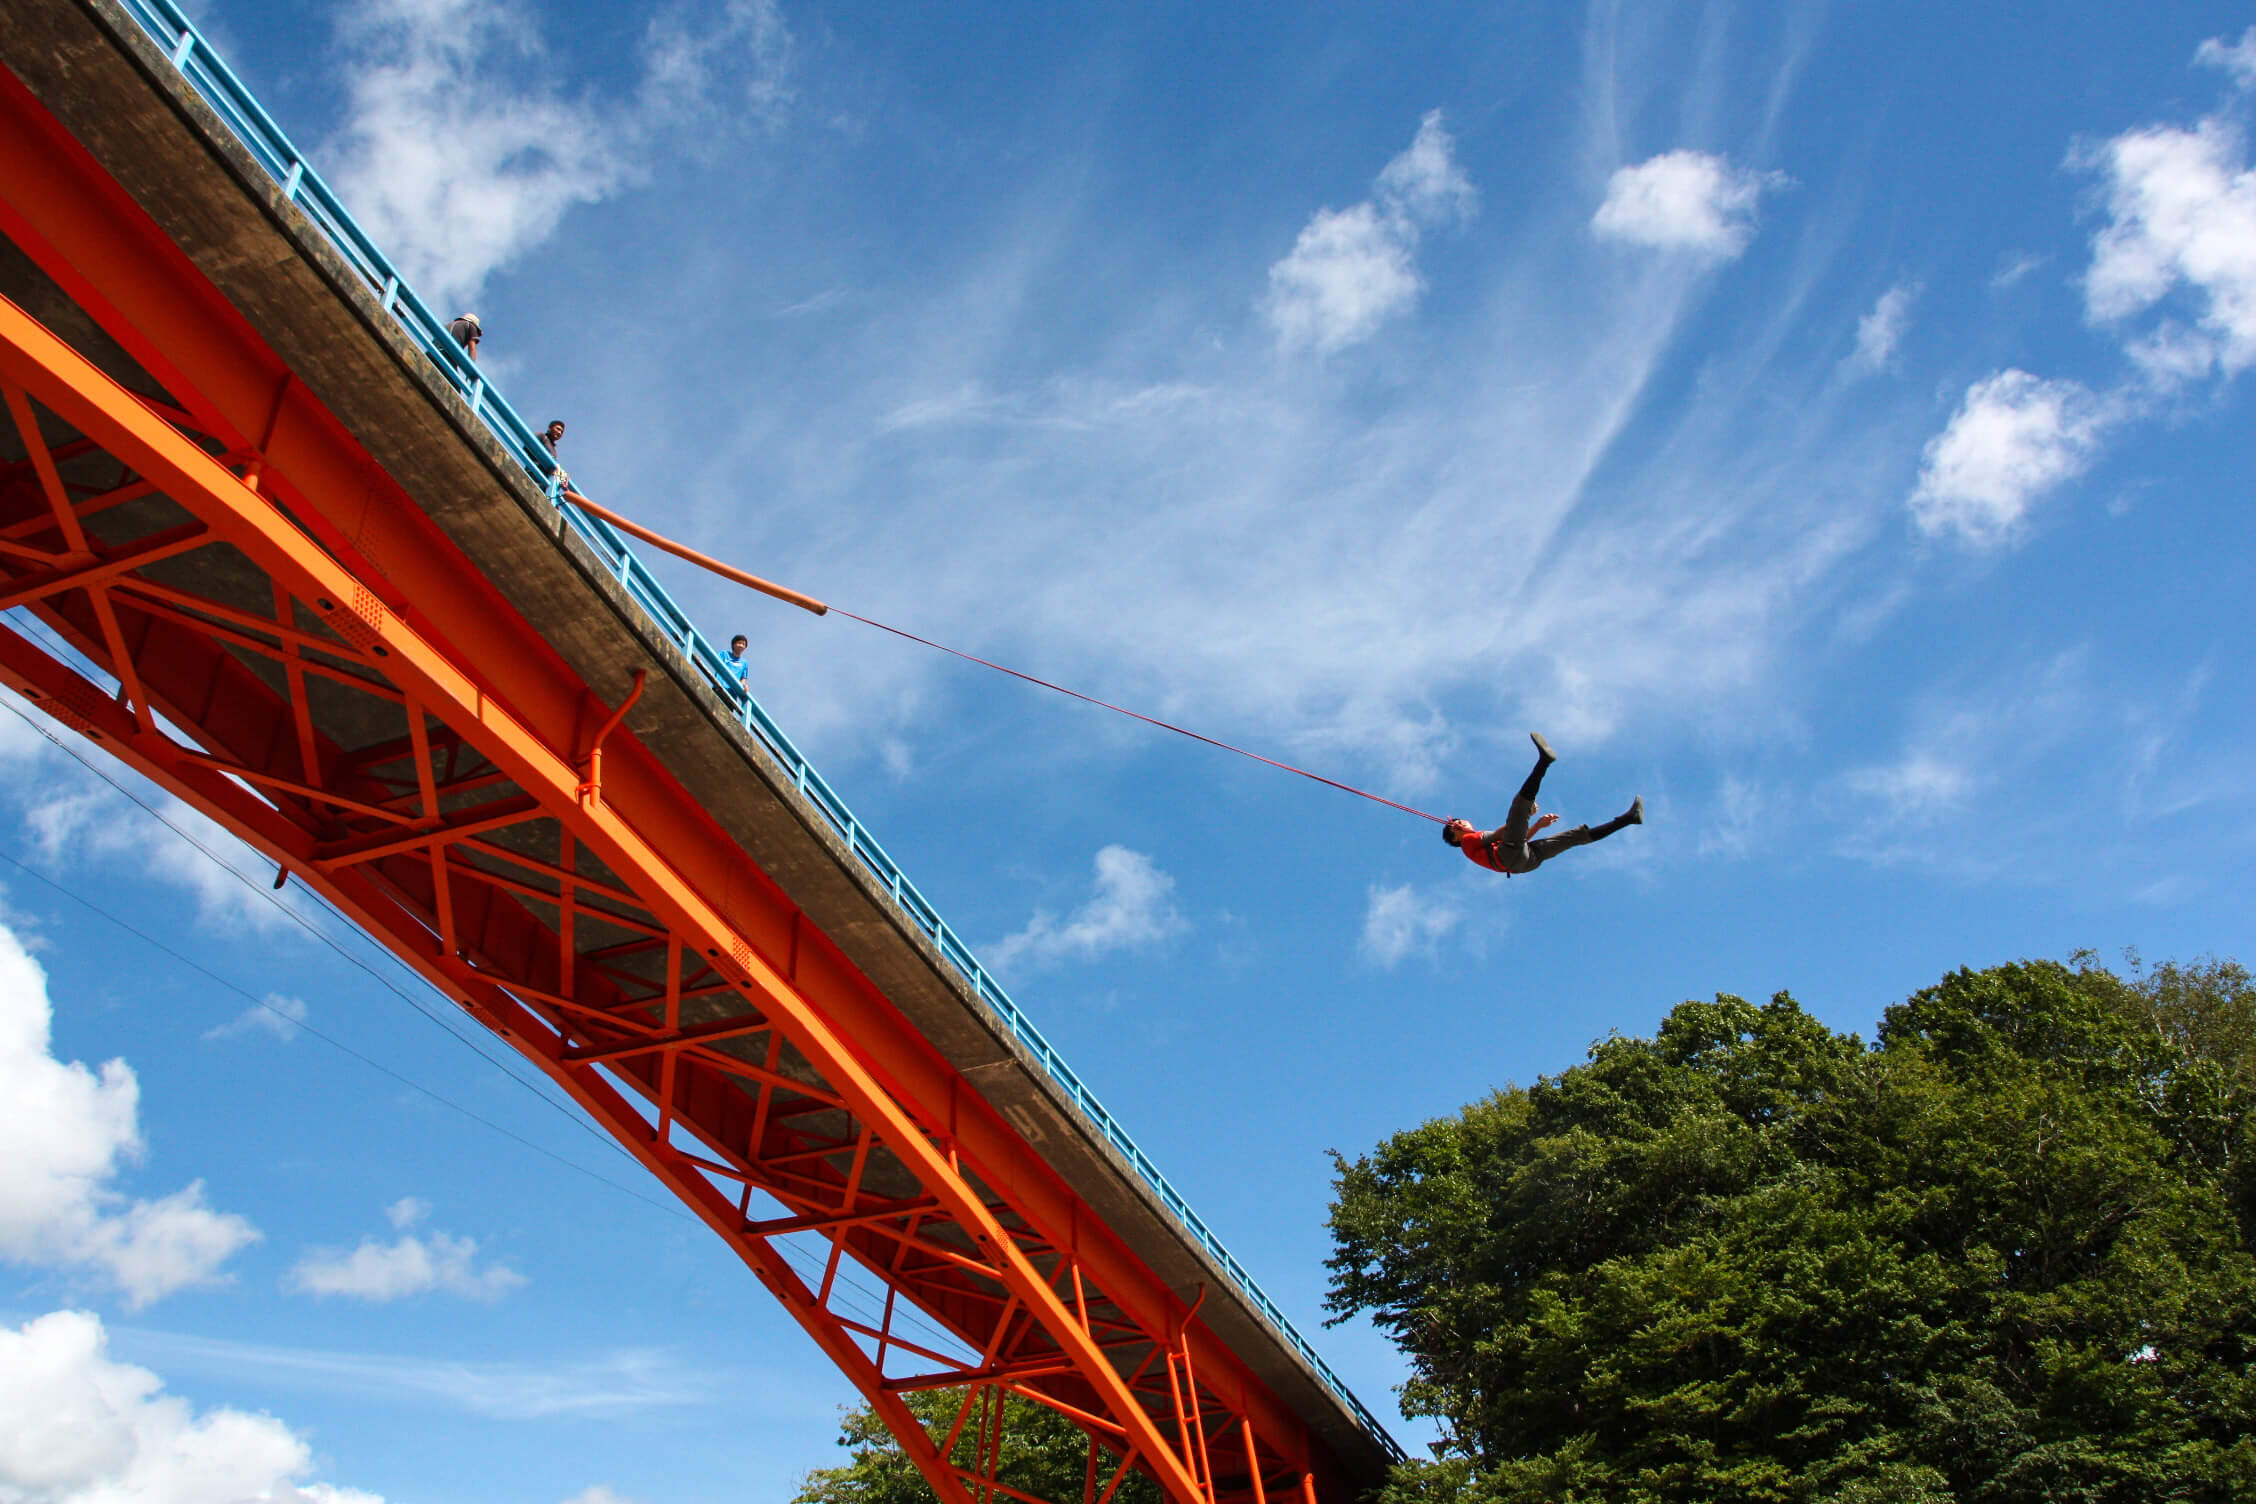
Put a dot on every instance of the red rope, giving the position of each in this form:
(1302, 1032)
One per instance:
(1345, 788)
(819, 608)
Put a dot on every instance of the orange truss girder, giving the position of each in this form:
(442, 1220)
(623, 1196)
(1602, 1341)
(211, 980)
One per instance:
(238, 515)
(993, 1244)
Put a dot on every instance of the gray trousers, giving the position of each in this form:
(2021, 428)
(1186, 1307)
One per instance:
(1516, 853)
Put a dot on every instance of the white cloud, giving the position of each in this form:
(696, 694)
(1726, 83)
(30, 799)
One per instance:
(2237, 58)
(1882, 330)
(2014, 438)
(73, 819)
(277, 1014)
(77, 1427)
(459, 151)
(68, 1129)
(1348, 272)
(601, 1493)
(1402, 921)
(411, 1264)
(1352, 269)
(1684, 200)
(2179, 243)
(1132, 908)
(2181, 218)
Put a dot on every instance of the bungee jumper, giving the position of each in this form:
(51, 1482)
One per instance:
(1509, 848)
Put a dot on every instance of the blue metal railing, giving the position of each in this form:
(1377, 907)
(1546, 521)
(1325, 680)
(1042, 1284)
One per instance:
(172, 30)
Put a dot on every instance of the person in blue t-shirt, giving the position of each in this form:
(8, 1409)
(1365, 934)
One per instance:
(739, 666)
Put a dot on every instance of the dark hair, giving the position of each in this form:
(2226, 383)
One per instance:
(1449, 836)
(556, 423)
(740, 637)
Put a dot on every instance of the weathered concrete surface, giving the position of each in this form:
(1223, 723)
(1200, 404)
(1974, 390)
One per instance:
(96, 70)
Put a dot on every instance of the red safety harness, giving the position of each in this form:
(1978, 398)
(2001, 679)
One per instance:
(1481, 854)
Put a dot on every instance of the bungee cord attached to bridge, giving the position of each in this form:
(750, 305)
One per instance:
(823, 608)
(1512, 848)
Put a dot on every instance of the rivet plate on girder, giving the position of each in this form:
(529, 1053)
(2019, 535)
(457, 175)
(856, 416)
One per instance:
(362, 622)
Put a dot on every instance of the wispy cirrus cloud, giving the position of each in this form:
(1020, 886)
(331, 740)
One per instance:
(1881, 331)
(621, 1382)
(1286, 530)
(276, 1014)
(1963, 748)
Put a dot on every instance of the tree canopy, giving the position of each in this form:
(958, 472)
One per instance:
(2002, 1254)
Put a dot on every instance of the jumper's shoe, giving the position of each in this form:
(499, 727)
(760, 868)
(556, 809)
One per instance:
(1636, 814)
(1542, 747)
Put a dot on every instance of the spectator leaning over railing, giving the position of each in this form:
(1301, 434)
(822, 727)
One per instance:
(740, 666)
(551, 436)
(467, 331)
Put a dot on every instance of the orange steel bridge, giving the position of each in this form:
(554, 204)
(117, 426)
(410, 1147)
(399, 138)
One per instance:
(307, 585)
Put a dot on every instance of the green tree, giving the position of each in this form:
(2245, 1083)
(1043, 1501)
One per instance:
(2004, 1254)
(1042, 1454)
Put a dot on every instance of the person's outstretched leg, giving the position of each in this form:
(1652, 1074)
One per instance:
(1543, 848)
(1634, 815)
(1543, 761)
(1522, 812)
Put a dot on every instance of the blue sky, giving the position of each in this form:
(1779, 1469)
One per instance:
(1831, 423)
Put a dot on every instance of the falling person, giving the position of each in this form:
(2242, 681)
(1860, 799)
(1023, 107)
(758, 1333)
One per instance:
(1509, 848)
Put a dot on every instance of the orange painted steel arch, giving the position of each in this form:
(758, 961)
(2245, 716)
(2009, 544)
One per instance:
(429, 616)
(82, 395)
